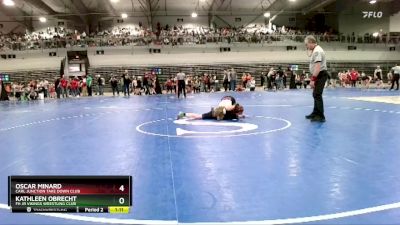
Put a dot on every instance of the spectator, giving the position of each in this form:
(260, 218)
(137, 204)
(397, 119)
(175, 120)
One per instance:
(333, 79)
(189, 84)
(83, 86)
(120, 83)
(307, 80)
(180, 77)
(205, 82)
(233, 79)
(127, 82)
(74, 87)
(378, 76)
(252, 84)
(52, 91)
(3, 92)
(270, 78)
(396, 77)
(280, 78)
(244, 80)
(366, 80)
(151, 80)
(299, 80)
(262, 79)
(196, 85)
(57, 85)
(114, 85)
(354, 77)
(100, 82)
(139, 85)
(292, 77)
(157, 85)
(64, 87)
(169, 85)
(226, 80)
(343, 78)
(248, 77)
(146, 84)
(390, 78)
(45, 87)
(89, 82)
(215, 83)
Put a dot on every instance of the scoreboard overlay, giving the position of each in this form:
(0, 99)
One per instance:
(70, 194)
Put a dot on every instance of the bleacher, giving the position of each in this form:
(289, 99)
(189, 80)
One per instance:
(197, 60)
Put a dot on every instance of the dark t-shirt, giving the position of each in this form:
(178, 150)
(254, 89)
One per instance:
(228, 116)
(57, 83)
(114, 83)
(127, 80)
(145, 81)
(280, 73)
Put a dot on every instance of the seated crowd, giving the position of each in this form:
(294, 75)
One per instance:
(60, 37)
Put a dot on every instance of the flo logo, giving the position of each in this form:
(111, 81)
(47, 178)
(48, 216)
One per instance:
(372, 14)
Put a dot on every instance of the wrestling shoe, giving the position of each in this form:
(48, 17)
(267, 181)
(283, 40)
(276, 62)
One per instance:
(309, 117)
(181, 115)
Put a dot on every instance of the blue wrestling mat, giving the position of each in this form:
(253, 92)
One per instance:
(273, 167)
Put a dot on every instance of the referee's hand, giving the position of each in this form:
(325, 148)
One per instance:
(312, 84)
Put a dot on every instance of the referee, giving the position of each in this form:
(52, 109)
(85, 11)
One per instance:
(181, 83)
(396, 77)
(319, 72)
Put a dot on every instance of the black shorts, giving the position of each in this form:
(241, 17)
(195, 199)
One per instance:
(228, 116)
(365, 78)
(208, 116)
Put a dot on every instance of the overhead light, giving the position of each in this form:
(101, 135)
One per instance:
(114, 1)
(202, 0)
(267, 14)
(42, 19)
(124, 15)
(8, 2)
(292, 0)
(194, 14)
(372, 2)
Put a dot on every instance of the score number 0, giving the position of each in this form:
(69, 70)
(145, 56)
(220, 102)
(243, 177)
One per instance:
(121, 200)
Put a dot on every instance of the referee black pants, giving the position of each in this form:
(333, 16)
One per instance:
(395, 79)
(317, 94)
(181, 88)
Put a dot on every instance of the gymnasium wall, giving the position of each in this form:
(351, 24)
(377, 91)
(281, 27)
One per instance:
(394, 25)
(9, 26)
(30, 64)
(349, 23)
(35, 60)
(235, 57)
(351, 17)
